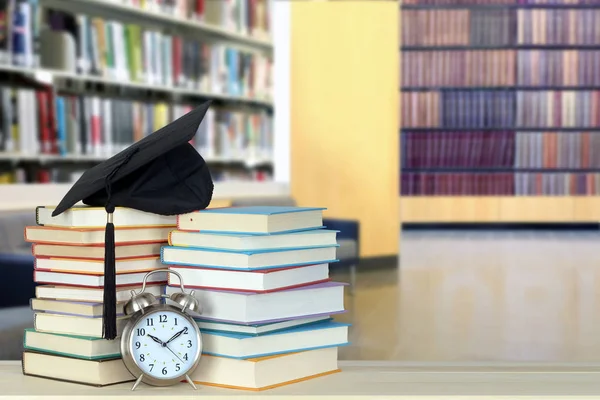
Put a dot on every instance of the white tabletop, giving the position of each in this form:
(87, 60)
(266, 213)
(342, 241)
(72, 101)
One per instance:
(360, 379)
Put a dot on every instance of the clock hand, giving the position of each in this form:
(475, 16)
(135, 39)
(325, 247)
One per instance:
(157, 340)
(174, 353)
(175, 336)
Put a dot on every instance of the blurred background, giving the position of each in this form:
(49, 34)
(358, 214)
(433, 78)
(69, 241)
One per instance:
(453, 143)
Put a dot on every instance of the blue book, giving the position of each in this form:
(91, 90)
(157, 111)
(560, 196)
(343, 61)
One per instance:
(248, 242)
(61, 132)
(251, 260)
(206, 325)
(309, 337)
(257, 220)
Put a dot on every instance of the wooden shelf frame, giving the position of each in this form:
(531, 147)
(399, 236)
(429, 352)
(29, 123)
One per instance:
(500, 209)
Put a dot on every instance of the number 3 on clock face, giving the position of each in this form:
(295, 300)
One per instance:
(164, 344)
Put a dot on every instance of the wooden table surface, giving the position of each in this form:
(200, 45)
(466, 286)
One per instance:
(357, 379)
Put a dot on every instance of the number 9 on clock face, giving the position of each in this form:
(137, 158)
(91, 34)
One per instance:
(165, 344)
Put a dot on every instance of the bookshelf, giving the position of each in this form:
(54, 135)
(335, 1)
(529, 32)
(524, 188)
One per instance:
(499, 113)
(98, 75)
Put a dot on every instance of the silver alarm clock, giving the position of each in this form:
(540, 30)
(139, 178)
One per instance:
(161, 344)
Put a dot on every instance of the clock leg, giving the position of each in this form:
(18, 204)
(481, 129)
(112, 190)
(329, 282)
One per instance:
(190, 381)
(137, 382)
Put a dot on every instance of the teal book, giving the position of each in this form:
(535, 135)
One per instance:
(302, 338)
(256, 220)
(87, 348)
(253, 260)
(248, 242)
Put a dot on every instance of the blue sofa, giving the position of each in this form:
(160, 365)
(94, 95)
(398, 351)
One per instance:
(16, 285)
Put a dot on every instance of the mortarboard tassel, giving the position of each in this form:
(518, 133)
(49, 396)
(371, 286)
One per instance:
(109, 309)
(109, 314)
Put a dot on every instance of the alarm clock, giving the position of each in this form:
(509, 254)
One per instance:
(161, 344)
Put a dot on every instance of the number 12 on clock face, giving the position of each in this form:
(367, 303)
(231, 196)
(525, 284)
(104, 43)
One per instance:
(164, 344)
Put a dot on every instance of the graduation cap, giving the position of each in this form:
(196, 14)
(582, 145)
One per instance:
(160, 174)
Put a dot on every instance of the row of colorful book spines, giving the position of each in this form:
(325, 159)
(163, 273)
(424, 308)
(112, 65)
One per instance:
(499, 2)
(57, 175)
(501, 149)
(499, 184)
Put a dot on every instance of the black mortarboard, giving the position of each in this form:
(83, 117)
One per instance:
(161, 174)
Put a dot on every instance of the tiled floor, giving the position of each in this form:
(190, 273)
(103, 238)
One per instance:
(481, 296)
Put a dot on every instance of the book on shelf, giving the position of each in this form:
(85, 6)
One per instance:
(515, 183)
(25, 24)
(509, 94)
(509, 109)
(92, 128)
(102, 127)
(500, 26)
(492, 3)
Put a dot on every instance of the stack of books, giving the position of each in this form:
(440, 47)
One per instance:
(66, 342)
(261, 275)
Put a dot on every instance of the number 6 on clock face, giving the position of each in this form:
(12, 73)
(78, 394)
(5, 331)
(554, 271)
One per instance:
(164, 344)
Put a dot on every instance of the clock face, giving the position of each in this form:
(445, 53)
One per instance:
(164, 344)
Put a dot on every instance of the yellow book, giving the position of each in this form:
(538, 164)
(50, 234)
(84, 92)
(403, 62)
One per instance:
(265, 372)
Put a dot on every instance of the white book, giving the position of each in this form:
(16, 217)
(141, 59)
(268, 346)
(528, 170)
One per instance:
(65, 278)
(247, 260)
(258, 329)
(94, 295)
(254, 219)
(254, 281)
(241, 242)
(107, 127)
(73, 325)
(92, 217)
(94, 236)
(94, 266)
(255, 308)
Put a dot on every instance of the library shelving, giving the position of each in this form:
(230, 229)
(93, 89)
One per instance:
(80, 80)
(499, 111)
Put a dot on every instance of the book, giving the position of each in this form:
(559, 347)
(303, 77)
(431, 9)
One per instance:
(265, 372)
(309, 337)
(258, 329)
(73, 325)
(256, 308)
(74, 279)
(247, 260)
(251, 281)
(94, 236)
(96, 267)
(83, 294)
(96, 252)
(85, 309)
(84, 347)
(253, 219)
(76, 370)
(311, 238)
(95, 217)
